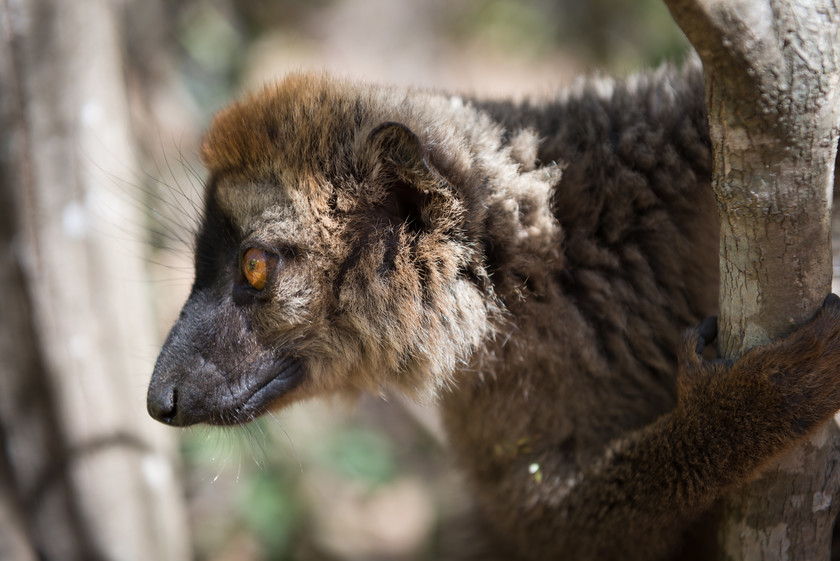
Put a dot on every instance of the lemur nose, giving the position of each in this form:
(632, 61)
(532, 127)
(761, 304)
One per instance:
(162, 403)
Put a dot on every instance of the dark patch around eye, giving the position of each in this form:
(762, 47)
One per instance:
(215, 245)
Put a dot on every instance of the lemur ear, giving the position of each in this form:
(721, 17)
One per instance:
(395, 143)
(397, 163)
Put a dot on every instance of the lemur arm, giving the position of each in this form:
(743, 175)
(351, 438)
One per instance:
(730, 419)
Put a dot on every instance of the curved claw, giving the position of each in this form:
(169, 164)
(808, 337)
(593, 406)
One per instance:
(707, 333)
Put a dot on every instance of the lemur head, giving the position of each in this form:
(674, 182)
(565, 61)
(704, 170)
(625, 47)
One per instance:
(340, 250)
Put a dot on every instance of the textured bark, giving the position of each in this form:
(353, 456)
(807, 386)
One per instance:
(771, 72)
(84, 475)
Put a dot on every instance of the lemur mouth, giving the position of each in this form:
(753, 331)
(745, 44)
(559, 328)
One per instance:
(175, 398)
(289, 375)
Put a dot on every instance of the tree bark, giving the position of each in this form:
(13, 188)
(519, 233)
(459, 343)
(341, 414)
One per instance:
(84, 474)
(772, 69)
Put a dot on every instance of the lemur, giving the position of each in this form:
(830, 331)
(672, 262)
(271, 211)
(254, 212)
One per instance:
(539, 268)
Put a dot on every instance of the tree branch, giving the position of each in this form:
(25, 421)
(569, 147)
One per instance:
(771, 73)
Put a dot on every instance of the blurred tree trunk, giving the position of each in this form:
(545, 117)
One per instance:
(84, 474)
(772, 71)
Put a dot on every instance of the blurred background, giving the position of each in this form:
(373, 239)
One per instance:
(368, 480)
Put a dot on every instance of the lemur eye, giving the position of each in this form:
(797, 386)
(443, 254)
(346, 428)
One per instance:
(256, 265)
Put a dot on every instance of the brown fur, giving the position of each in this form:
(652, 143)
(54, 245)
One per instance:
(532, 266)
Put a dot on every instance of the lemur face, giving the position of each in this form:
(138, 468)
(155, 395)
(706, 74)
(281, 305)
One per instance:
(331, 258)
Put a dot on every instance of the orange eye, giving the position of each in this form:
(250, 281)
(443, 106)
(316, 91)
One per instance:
(255, 266)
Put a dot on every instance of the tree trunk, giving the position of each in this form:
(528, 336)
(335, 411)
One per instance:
(771, 73)
(84, 475)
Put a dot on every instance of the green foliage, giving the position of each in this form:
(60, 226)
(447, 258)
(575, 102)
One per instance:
(259, 480)
(268, 507)
(616, 34)
(509, 25)
(361, 454)
(214, 47)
